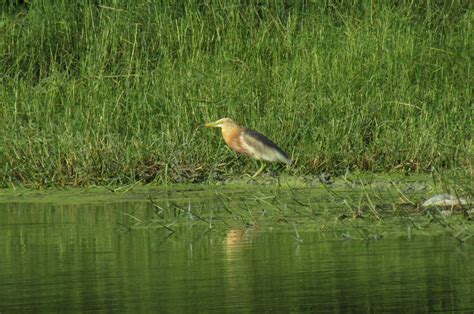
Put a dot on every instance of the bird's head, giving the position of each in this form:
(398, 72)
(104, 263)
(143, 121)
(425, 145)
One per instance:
(220, 123)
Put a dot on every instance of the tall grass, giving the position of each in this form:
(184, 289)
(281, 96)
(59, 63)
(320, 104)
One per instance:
(111, 92)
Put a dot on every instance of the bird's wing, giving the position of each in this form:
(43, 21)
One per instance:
(263, 148)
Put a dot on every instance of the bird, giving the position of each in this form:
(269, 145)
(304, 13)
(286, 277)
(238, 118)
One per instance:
(250, 142)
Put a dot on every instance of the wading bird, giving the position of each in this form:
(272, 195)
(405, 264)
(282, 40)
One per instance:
(250, 142)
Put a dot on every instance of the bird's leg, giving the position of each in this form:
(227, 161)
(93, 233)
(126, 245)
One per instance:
(262, 167)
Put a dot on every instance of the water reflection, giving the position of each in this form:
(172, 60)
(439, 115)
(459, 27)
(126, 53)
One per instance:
(78, 259)
(234, 240)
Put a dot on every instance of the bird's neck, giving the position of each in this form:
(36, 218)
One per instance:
(229, 129)
(230, 133)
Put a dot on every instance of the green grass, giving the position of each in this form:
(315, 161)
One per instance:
(114, 93)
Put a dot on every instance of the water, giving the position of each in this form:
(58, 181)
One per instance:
(82, 258)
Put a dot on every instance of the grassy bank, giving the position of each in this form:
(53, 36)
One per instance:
(113, 93)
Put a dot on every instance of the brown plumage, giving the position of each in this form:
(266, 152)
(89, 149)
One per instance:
(250, 142)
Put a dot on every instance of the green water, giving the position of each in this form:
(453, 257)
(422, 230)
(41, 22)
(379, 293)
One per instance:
(84, 257)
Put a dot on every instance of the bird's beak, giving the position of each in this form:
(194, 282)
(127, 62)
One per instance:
(210, 125)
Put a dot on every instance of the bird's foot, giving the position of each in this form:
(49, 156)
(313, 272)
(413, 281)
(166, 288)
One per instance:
(251, 181)
(326, 178)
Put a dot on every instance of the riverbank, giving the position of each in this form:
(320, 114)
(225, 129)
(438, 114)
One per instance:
(113, 95)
